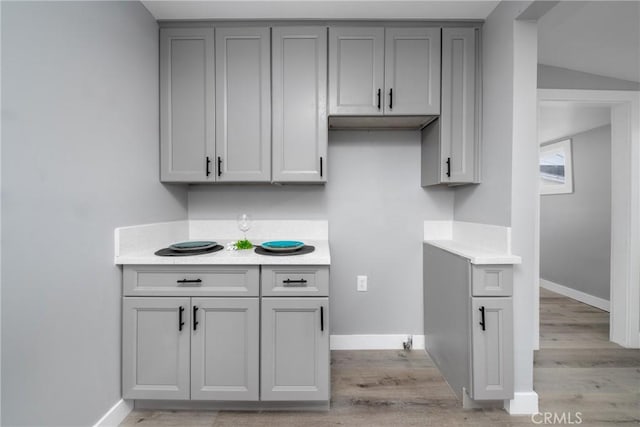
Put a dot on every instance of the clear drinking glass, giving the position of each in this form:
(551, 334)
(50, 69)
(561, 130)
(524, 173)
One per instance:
(244, 223)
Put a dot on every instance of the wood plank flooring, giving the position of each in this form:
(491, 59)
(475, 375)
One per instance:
(576, 370)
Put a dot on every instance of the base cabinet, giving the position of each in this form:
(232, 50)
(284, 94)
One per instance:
(190, 348)
(475, 352)
(295, 349)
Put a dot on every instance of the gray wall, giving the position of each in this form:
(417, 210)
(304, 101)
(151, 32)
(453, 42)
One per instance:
(375, 207)
(490, 202)
(561, 78)
(575, 229)
(79, 158)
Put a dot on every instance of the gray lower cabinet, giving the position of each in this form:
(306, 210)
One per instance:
(295, 349)
(451, 143)
(187, 134)
(468, 323)
(190, 348)
(243, 104)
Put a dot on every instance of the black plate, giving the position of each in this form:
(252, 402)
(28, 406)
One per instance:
(306, 249)
(171, 252)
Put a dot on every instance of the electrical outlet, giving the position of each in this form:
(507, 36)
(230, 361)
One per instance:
(362, 283)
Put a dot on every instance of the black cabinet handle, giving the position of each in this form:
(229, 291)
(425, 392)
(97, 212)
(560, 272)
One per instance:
(320, 167)
(180, 322)
(379, 98)
(189, 281)
(208, 166)
(449, 167)
(482, 318)
(195, 322)
(391, 99)
(289, 282)
(219, 166)
(322, 318)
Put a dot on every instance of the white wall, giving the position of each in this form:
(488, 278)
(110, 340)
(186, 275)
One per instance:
(79, 158)
(376, 209)
(562, 78)
(575, 229)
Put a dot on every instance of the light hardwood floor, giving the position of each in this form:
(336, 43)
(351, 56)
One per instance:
(576, 370)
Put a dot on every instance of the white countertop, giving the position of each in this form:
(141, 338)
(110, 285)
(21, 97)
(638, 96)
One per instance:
(138, 244)
(320, 256)
(475, 254)
(479, 243)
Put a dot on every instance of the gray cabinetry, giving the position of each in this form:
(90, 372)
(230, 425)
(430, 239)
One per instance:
(155, 348)
(390, 71)
(450, 144)
(186, 104)
(295, 349)
(181, 347)
(299, 144)
(243, 104)
(469, 337)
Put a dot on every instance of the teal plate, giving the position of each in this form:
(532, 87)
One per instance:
(193, 246)
(282, 245)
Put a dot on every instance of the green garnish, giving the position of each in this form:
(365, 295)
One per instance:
(244, 244)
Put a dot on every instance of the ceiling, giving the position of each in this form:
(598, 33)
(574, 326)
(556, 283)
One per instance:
(597, 37)
(558, 119)
(317, 9)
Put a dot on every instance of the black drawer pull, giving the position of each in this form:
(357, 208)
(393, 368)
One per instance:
(449, 167)
(208, 166)
(321, 318)
(189, 281)
(379, 95)
(291, 283)
(219, 166)
(180, 322)
(482, 318)
(390, 99)
(195, 322)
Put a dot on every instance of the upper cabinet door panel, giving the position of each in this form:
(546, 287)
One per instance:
(186, 103)
(412, 71)
(458, 120)
(243, 104)
(356, 67)
(299, 103)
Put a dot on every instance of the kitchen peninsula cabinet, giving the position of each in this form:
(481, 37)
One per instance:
(468, 324)
(187, 140)
(243, 104)
(300, 133)
(384, 71)
(451, 143)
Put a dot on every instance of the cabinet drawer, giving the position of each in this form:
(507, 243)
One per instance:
(190, 280)
(295, 280)
(492, 280)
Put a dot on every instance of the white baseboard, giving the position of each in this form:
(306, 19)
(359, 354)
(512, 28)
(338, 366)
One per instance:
(116, 414)
(374, 342)
(597, 302)
(523, 403)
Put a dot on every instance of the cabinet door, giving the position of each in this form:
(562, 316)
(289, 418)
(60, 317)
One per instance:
(492, 348)
(458, 123)
(412, 71)
(155, 348)
(295, 349)
(299, 104)
(356, 68)
(243, 105)
(186, 104)
(224, 349)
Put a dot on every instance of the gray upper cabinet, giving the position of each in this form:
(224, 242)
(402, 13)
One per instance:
(299, 144)
(450, 145)
(295, 349)
(243, 104)
(356, 70)
(186, 104)
(390, 71)
(412, 71)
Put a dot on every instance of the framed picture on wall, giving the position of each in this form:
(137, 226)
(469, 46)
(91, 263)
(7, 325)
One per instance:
(556, 172)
